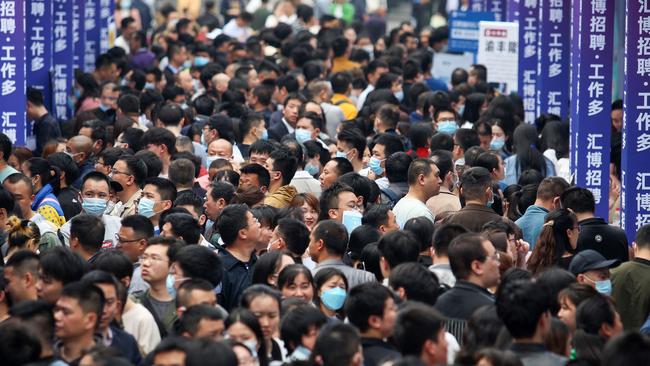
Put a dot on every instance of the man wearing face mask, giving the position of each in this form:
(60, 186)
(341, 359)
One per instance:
(385, 146)
(350, 144)
(94, 198)
(108, 103)
(446, 120)
(476, 188)
(158, 196)
(591, 268)
(321, 93)
(386, 119)
(308, 128)
(130, 172)
(253, 129)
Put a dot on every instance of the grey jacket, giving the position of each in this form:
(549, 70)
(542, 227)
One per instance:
(353, 275)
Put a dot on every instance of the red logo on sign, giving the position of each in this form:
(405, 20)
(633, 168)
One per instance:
(498, 33)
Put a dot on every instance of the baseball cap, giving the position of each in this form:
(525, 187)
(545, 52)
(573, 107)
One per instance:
(588, 260)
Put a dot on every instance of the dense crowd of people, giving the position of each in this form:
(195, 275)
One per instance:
(299, 189)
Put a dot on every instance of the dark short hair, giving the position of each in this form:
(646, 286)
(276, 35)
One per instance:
(397, 166)
(164, 187)
(231, 220)
(298, 323)
(419, 167)
(184, 226)
(200, 262)
(334, 236)
(419, 283)
(329, 198)
(89, 229)
(474, 182)
(551, 187)
(519, 304)
(295, 234)
(62, 264)
(340, 82)
(463, 250)
(336, 344)
(89, 297)
(399, 247)
(66, 165)
(192, 316)
(376, 216)
(422, 228)
(415, 324)
(136, 167)
(141, 225)
(467, 138)
(444, 235)
(390, 142)
(343, 166)
(160, 136)
(578, 199)
(184, 292)
(97, 177)
(115, 262)
(354, 138)
(364, 301)
(263, 175)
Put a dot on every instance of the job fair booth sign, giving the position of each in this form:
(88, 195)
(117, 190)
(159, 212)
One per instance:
(498, 50)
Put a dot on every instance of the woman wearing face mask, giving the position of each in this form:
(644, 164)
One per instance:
(45, 180)
(264, 302)
(501, 139)
(242, 326)
(331, 288)
(557, 241)
(86, 93)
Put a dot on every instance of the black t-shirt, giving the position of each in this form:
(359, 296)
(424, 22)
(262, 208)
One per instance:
(69, 202)
(608, 240)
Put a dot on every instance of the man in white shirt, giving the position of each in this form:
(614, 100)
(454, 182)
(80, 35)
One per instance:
(94, 198)
(239, 28)
(424, 183)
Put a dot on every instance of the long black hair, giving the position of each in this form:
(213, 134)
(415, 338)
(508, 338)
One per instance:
(527, 149)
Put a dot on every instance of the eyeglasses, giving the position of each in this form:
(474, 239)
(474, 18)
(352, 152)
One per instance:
(146, 257)
(115, 171)
(119, 239)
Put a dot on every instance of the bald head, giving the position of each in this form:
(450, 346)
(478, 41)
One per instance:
(80, 147)
(185, 81)
(220, 82)
(221, 148)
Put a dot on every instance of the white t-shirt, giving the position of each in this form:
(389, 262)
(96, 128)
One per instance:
(139, 322)
(408, 208)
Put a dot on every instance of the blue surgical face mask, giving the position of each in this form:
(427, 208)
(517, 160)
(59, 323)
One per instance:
(303, 135)
(334, 298)
(341, 154)
(187, 64)
(490, 202)
(203, 142)
(149, 86)
(461, 110)
(312, 169)
(145, 207)
(94, 206)
(604, 287)
(103, 107)
(201, 61)
(265, 135)
(399, 95)
(125, 4)
(77, 93)
(375, 166)
(211, 159)
(497, 144)
(448, 127)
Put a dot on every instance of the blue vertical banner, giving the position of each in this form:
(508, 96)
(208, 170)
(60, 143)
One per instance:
(78, 34)
(499, 8)
(529, 57)
(555, 54)
(62, 58)
(591, 55)
(512, 11)
(39, 47)
(635, 204)
(106, 16)
(12, 70)
(91, 34)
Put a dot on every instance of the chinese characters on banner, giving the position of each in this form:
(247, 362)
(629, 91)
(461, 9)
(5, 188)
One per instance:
(512, 11)
(498, 7)
(91, 34)
(528, 57)
(106, 21)
(554, 48)
(39, 47)
(591, 56)
(62, 58)
(12, 70)
(78, 34)
(635, 205)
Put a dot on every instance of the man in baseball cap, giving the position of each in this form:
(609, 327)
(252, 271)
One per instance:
(591, 268)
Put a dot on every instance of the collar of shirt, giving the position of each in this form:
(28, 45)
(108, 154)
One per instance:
(172, 69)
(288, 126)
(229, 260)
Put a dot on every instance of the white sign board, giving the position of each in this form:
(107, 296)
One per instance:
(498, 47)
(445, 63)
